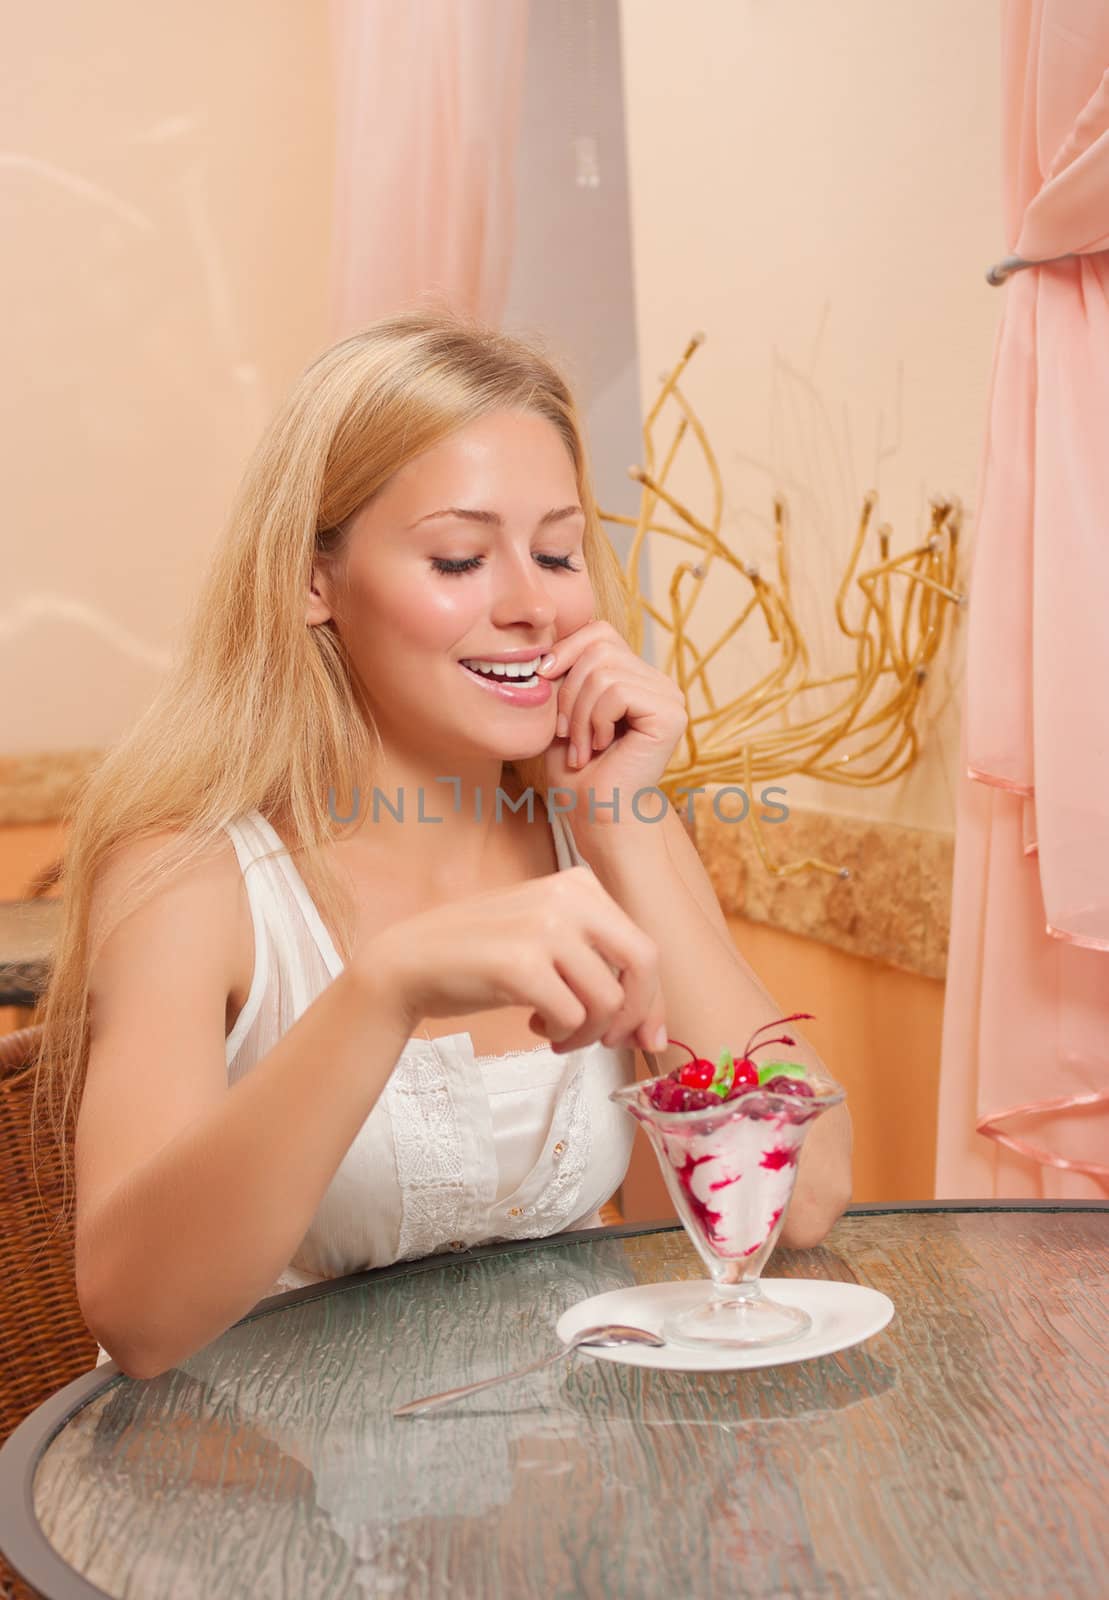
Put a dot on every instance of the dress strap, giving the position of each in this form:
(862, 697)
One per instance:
(274, 848)
(566, 849)
(248, 849)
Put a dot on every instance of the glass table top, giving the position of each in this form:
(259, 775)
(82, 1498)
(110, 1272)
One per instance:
(949, 1454)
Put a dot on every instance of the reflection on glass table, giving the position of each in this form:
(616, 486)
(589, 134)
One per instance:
(270, 1463)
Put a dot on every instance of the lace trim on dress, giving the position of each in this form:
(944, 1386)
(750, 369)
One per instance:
(511, 1055)
(436, 1198)
(427, 1143)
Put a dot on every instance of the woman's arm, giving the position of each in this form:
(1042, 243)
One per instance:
(713, 999)
(191, 1239)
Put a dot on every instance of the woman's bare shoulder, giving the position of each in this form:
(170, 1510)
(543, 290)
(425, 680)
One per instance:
(205, 899)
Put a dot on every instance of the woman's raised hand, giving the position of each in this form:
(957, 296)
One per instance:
(560, 944)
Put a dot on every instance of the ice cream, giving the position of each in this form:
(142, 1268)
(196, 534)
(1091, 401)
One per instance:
(731, 1174)
(728, 1136)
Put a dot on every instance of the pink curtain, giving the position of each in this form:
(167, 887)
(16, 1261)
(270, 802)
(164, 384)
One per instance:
(1024, 1091)
(428, 96)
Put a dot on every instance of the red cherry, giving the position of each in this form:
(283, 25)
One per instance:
(746, 1077)
(667, 1094)
(699, 1073)
(688, 1088)
(783, 1085)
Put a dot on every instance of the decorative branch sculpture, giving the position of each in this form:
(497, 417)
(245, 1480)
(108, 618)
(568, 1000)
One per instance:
(864, 732)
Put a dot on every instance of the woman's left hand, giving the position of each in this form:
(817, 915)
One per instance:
(623, 718)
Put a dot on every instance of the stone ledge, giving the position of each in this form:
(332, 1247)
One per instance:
(39, 787)
(895, 906)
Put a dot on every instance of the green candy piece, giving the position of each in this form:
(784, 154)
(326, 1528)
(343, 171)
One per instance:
(725, 1074)
(780, 1069)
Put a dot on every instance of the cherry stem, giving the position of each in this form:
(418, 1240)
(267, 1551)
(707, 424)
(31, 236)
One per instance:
(782, 1039)
(795, 1016)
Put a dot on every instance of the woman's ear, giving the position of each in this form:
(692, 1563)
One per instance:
(318, 608)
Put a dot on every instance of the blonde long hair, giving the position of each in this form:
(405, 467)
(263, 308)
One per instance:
(261, 711)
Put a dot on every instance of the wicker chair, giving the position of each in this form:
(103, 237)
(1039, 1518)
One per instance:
(40, 887)
(44, 1342)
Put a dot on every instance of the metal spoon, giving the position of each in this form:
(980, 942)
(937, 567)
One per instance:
(610, 1334)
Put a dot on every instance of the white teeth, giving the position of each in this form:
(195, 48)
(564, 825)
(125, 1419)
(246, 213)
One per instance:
(506, 669)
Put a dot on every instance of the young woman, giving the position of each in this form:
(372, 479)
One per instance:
(308, 952)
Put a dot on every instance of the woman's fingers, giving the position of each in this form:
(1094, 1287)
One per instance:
(651, 1036)
(595, 985)
(560, 945)
(631, 991)
(635, 959)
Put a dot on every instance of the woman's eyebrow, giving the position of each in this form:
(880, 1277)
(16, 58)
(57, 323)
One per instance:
(469, 514)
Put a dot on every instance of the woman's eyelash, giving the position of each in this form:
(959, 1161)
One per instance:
(472, 562)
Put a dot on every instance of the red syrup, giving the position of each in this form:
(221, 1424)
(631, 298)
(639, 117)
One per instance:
(775, 1160)
(706, 1217)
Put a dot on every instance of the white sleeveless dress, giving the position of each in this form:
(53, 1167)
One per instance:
(460, 1149)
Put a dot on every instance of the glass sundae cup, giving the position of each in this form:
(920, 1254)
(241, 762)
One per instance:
(730, 1170)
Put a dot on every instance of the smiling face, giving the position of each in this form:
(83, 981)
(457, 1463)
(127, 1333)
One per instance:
(520, 583)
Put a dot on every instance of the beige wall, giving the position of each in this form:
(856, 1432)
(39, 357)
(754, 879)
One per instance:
(815, 184)
(165, 182)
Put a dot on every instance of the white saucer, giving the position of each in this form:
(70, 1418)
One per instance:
(843, 1314)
